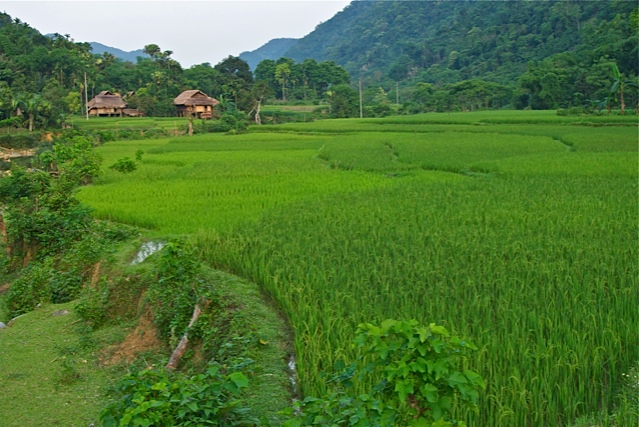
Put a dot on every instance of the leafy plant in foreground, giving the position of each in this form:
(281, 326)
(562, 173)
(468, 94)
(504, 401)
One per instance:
(162, 399)
(177, 289)
(418, 382)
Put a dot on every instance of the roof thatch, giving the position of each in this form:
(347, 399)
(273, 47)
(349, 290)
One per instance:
(106, 99)
(194, 97)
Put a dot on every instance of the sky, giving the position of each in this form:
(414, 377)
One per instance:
(196, 31)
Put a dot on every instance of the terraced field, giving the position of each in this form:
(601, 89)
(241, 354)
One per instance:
(517, 230)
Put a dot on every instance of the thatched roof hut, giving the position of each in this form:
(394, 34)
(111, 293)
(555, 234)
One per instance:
(106, 104)
(195, 102)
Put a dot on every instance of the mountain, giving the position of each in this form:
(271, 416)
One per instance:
(449, 41)
(274, 49)
(99, 48)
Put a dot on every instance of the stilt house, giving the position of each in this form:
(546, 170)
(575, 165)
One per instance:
(106, 104)
(195, 103)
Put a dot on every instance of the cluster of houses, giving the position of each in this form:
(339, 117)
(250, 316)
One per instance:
(190, 103)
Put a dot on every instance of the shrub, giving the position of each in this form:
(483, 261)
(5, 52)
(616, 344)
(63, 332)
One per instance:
(176, 290)
(12, 122)
(160, 399)
(30, 289)
(124, 165)
(20, 140)
(92, 305)
(416, 375)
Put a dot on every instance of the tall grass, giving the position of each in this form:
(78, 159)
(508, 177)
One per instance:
(522, 237)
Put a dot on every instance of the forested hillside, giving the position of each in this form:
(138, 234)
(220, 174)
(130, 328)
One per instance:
(506, 43)
(462, 40)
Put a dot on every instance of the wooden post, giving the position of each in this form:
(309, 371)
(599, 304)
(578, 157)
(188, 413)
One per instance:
(86, 95)
(361, 105)
(181, 347)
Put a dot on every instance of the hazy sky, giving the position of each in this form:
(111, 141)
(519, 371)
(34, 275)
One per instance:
(196, 31)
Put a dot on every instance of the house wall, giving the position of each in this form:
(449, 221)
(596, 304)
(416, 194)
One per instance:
(105, 112)
(197, 109)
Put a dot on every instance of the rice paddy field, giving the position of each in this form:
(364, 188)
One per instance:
(516, 230)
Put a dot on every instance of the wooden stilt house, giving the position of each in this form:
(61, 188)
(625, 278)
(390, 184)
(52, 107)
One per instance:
(106, 104)
(195, 103)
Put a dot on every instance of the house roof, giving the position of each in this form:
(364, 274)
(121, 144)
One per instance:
(194, 97)
(106, 99)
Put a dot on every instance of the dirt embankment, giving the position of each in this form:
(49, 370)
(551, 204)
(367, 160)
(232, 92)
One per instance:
(14, 153)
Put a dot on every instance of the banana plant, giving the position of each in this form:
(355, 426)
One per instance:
(619, 86)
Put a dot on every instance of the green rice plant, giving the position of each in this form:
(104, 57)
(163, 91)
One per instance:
(515, 229)
(531, 281)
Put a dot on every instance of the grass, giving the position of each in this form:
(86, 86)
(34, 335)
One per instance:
(515, 229)
(112, 123)
(270, 388)
(58, 371)
(45, 363)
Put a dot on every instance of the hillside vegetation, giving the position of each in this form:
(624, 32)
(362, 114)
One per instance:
(449, 41)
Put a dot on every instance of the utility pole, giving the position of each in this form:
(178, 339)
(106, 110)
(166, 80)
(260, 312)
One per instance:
(397, 93)
(86, 96)
(361, 105)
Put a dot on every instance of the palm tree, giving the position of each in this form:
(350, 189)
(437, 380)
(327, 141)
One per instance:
(17, 104)
(33, 105)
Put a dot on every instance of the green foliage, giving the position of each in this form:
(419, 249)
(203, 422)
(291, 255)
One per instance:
(417, 376)
(58, 276)
(48, 230)
(41, 212)
(124, 165)
(92, 304)
(12, 122)
(343, 101)
(235, 121)
(161, 399)
(418, 366)
(178, 287)
(20, 140)
(443, 43)
(73, 158)
(308, 80)
(30, 289)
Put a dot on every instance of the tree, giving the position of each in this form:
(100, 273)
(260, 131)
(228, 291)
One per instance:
(282, 73)
(343, 101)
(235, 80)
(33, 105)
(152, 50)
(202, 77)
(72, 102)
(260, 90)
